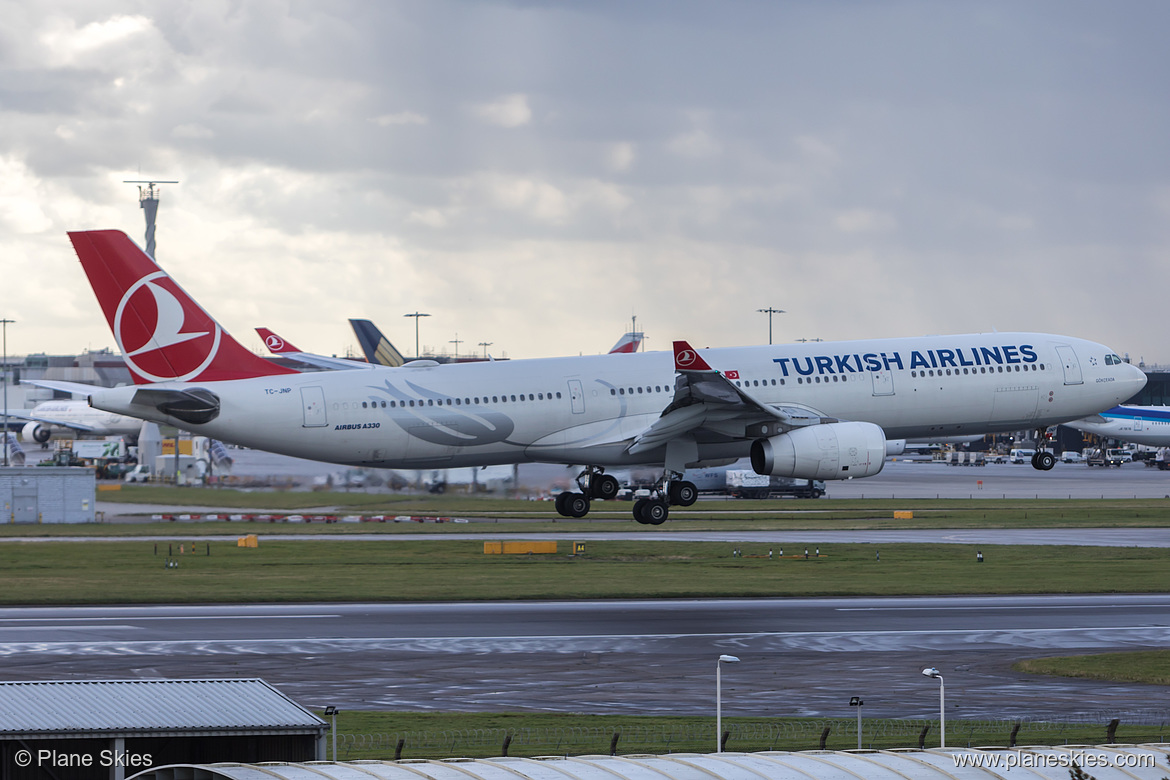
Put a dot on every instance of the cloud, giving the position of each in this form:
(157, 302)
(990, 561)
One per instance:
(348, 159)
(508, 111)
(400, 118)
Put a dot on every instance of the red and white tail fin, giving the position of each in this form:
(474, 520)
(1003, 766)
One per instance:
(276, 345)
(627, 344)
(687, 358)
(163, 334)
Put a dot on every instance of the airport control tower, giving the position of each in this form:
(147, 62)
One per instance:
(148, 201)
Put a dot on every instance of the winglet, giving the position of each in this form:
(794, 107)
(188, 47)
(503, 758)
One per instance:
(276, 345)
(686, 358)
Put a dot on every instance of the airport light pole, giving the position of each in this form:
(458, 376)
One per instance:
(456, 341)
(723, 659)
(942, 708)
(485, 345)
(855, 701)
(332, 712)
(770, 311)
(416, 315)
(4, 376)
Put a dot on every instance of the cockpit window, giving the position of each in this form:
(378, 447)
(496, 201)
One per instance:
(1112, 360)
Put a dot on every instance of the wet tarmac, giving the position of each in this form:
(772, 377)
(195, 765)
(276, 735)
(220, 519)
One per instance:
(798, 656)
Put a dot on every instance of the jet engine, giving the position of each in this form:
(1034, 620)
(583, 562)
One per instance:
(829, 451)
(35, 431)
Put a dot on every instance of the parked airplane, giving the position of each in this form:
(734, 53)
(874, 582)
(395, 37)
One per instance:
(375, 346)
(73, 415)
(628, 343)
(1148, 425)
(812, 411)
(378, 349)
(279, 346)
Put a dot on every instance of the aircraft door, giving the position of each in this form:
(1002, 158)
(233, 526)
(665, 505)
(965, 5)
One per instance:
(1072, 369)
(1137, 423)
(313, 400)
(883, 382)
(577, 396)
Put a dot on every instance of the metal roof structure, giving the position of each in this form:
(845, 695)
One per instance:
(1104, 762)
(130, 707)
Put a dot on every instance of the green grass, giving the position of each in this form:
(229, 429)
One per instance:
(441, 570)
(375, 735)
(1143, 666)
(514, 516)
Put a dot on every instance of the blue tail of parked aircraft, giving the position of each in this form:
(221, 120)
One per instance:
(376, 347)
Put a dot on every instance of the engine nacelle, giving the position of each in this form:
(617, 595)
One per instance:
(829, 451)
(35, 431)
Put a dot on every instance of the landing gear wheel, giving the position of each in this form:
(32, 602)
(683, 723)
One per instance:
(1044, 461)
(604, 486)
(577, 505)
(639, 505)
(682, 493)
(559, 503)
(655, 511)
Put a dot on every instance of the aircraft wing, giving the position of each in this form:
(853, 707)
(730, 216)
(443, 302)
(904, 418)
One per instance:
(61, 423)
(76, 388)
(706, 400)
(278, 346)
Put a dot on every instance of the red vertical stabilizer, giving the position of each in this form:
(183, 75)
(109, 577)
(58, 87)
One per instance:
(163, 334)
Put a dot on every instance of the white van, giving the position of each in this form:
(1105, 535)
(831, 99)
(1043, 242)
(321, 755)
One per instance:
(1021, 456)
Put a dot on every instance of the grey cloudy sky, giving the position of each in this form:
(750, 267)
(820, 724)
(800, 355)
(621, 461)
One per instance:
(533, 174)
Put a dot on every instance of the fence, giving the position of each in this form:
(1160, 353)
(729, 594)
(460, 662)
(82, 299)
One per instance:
(805, 734)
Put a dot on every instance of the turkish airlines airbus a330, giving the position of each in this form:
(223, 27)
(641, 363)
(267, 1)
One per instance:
(812, 411)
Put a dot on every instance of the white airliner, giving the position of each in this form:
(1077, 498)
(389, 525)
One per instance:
(812, 411)
(76, 416)
(1148, 425)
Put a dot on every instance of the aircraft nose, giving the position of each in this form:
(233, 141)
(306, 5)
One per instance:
(1135, 378)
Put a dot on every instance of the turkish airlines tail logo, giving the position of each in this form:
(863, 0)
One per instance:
(687, 359)
(163, 334)
(276, 345)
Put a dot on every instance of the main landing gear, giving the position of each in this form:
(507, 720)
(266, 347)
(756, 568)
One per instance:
(655, 510)
(1043, 460)
(593, 484)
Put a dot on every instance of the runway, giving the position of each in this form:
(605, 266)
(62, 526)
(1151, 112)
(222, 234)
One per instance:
(798, 656)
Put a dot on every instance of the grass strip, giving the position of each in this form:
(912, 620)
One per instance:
(376, 735)
(1142, 666)
(447, 570)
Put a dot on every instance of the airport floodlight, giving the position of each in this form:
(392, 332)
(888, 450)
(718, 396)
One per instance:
(456, 341)
(723, 659)
(770, 311)
(855, 701)
(332, 712)
(416, 315)
(930, 671)
(485, 345)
